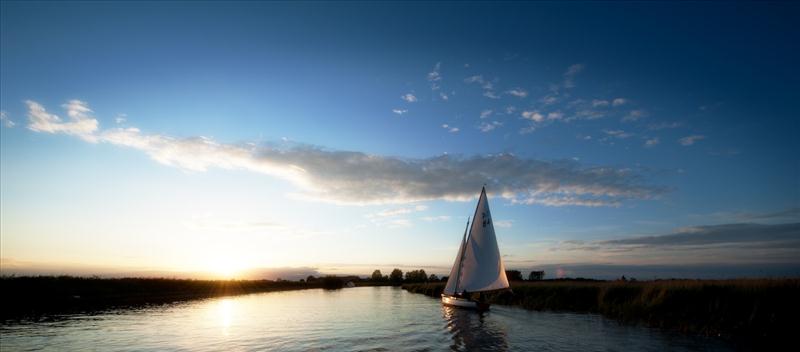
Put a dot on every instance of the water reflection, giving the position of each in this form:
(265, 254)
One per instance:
(471, 331)
(225, 312)
(355, 319)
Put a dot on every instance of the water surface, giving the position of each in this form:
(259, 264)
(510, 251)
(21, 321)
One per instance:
(355, 319)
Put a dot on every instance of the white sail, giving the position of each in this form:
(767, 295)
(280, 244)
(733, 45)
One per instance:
(452, 280)
(450, 288)
(481, 268)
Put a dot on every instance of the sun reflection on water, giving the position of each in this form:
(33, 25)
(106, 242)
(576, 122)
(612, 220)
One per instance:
(225, 312)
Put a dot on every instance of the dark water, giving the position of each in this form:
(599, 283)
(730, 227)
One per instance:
(356, 319)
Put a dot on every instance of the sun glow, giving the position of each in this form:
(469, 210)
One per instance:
(227, 267)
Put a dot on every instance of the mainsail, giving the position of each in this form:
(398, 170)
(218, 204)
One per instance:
(478, 266)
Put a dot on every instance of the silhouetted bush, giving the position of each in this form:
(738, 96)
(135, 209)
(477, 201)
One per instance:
(514, 275)
(416, 276)
(396, 277)
(536, 276)
(377, 276)
(331, 282)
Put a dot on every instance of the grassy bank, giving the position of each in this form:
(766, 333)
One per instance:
(757, 308)
(36, 296)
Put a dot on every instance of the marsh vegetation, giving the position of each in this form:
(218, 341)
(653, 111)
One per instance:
(749, 308)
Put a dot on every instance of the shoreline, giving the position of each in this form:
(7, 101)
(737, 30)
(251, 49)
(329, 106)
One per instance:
(742, 309)
(44, 296)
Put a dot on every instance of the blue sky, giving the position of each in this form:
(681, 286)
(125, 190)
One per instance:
(225, 137)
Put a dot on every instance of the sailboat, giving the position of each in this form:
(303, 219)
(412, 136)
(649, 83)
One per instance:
(478, 267)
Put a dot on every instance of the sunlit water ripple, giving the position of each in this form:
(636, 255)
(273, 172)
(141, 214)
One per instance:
(356, 319)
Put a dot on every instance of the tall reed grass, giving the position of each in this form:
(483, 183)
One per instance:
(749, 308)
(35, 296)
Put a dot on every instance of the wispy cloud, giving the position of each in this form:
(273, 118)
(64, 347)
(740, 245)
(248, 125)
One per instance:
(690, 140)
(718, 234)
(121, 118)
(486, 113)
(450, 129)
(569, 75)
(491, 94)
(6, 120)
(664, 126)
(634, 115)
(563, 201)
(619, 102)
(617, 133)
(436, 218)
(652, 142)
(489, 126)
(81, 123)
(548, 100)
(534, 116)
(434, 77)
(791, 214)
(399, 111)
(538, 119)
(399, 223)
(726, 243)
(397, 211)
(504, 223)
(488, 86)
(555, 115)
(474, 79)
(409, 97)
(350, 177)
(393, 217)
(517, 92)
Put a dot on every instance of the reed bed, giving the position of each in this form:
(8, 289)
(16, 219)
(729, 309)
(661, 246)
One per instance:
(744, 308)
(34, 297)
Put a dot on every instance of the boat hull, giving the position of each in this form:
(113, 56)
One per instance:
(458, 302)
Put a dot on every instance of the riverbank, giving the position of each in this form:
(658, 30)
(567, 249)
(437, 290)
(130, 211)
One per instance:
(759, 309)
(32, 297)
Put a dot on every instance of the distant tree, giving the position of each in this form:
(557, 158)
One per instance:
(514, 275)
(433, 277)
(444, 278)
(416, 276)
(396, 277)
(311, 278)
(536, 275)
(377, 276)
(302, 280)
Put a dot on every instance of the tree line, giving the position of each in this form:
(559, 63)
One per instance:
(397, 277)
(415, 276)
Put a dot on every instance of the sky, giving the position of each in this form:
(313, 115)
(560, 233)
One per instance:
(259, 139)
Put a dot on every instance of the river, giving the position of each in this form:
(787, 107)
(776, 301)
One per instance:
(354, 319)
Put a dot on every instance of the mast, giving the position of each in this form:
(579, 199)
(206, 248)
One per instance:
(461, 258)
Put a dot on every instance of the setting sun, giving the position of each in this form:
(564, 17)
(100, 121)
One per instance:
(227, 267)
